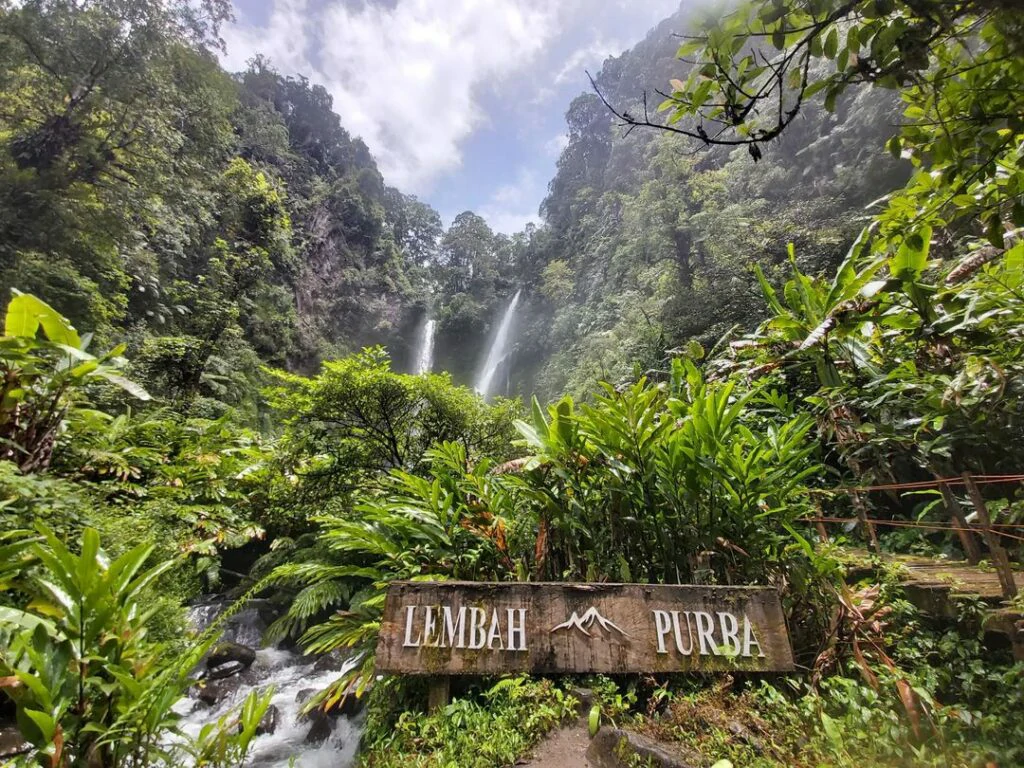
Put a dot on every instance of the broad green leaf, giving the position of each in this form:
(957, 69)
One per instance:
(26, 313)
(831, 44)
(127, 385)
(45, 722)
(912, 257)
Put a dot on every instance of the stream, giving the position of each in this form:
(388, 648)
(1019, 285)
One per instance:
(315, 741)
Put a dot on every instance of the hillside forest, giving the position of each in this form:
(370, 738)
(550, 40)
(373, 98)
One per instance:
(769, 331)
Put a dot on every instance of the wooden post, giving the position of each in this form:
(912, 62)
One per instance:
(819, 525)
(967, 540)
(999, 558)
(822, 533)
(861, 508)
(862, 514)
(439, 693)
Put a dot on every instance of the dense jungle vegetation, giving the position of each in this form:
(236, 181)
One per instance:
(772, 324)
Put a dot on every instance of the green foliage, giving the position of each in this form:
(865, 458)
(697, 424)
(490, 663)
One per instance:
(849, 718)
(909, 356)
(198, 483)
(363, 252)
(357, 419)
(88, 685)
(906, 369)
(446, 525)
(255, 230)
(660, 245)
(27, 497)
(676, 484)
(195, 238)
(473, 271)
(85, 91)
(558, 281)
(44, 379)
(514, 714)
(970, 697)
(680, 483)
(956, 70)
(192, 484)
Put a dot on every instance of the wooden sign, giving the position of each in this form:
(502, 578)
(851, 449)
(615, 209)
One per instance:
(472, 628)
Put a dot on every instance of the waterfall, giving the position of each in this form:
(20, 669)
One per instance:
(499, 349)
(311, 741)
(425, 350)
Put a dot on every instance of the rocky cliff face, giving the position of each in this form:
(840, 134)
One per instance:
(353, 284)
(648, 237)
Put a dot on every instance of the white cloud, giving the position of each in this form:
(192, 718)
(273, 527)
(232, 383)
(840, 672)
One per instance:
(553, 147)
(404, 78)
(512, 206)
(285, 39)
(572, 70)
(410, 76)
(590, 56)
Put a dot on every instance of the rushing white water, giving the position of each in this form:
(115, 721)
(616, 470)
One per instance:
(290, 675)
(294, 677)
(499, 349)
(425, 351)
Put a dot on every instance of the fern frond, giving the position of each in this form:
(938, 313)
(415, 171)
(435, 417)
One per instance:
(318, 597)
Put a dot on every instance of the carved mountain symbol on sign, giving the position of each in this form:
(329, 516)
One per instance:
(587, 620)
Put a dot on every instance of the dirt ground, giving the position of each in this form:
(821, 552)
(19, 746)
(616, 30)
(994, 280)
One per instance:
(565, 748)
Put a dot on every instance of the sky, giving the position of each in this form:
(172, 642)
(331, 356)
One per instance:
(462, 102)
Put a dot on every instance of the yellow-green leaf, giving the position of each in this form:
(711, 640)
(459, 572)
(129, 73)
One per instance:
(26, 313)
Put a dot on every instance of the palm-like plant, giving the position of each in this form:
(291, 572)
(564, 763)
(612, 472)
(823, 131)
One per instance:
(435, 527)
(815, 322)
(661, 483)
(41, 379)
(88, 685)
(914, 370)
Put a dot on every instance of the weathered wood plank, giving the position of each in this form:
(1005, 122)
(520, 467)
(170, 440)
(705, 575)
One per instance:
(463, 628)
(439, 693)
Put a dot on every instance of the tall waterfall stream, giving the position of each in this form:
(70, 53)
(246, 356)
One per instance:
(425, 351)
(499, 349)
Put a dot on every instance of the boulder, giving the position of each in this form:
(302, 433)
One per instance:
(268, 613)
(350, 706)
(213, 691)
(268, 723)
(11, 743)
(221, 671)
(320, 726)
(744, 734)
(225, 653)
(619, 748)
(330, 662)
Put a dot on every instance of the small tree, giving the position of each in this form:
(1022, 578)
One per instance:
(43, 379)
(358, 419)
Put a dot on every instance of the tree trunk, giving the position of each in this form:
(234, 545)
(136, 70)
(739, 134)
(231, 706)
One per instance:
(682, 241)
(967, 540)
(999, 558)
(862, 515)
